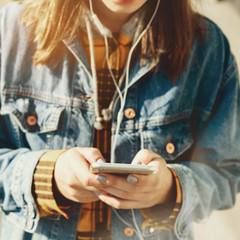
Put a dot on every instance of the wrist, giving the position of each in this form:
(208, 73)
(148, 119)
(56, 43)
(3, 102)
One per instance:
(171, 189)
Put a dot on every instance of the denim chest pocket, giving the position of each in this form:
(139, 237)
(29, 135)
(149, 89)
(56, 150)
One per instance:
(168, 140)
(32, 115)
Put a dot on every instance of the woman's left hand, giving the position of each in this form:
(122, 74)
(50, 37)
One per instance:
(139, 190)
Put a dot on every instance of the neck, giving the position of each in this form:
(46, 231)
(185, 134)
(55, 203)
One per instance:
(112, 20)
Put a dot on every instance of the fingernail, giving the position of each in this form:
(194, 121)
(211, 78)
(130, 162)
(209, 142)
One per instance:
(101, 178)
(100, 160)
(132, 179)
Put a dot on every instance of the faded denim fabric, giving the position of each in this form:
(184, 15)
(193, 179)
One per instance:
(200, 115)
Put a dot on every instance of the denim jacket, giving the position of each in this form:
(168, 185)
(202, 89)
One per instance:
(199, 115)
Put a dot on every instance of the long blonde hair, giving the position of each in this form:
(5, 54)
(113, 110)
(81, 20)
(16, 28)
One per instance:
(174, 29)
(50, 22)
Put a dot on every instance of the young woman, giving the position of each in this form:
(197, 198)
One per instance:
(128, 81)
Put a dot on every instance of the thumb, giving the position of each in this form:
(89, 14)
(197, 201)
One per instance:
(144, 157)
(91, 155)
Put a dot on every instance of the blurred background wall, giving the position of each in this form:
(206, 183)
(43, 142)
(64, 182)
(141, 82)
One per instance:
(3, 2)
(222, 225)
(226, 13)
(236, 3)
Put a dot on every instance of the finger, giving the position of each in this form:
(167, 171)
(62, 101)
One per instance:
(90, 154)
(150, 182)
(145, 156)
(74, 190)
(80, 177)
(122, 203)
(134, 196)
(106, 182)
(80, 166)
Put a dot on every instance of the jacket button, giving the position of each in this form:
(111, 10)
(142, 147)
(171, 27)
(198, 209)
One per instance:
(170, 148)
(128, 231)
(31, 120)
(129, 113)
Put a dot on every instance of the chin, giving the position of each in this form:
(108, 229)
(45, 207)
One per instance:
(124, 6)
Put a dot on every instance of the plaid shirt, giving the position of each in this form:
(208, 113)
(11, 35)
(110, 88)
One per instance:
(97, 216)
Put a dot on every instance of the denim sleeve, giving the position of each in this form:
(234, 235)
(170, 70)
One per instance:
(211, 179)
(16, 173)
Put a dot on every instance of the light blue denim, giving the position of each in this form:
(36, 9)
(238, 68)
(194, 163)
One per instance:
(200, 115)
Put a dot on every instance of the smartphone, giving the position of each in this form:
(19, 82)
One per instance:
(120, 168)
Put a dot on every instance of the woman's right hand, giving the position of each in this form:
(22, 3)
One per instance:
(72, 176)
